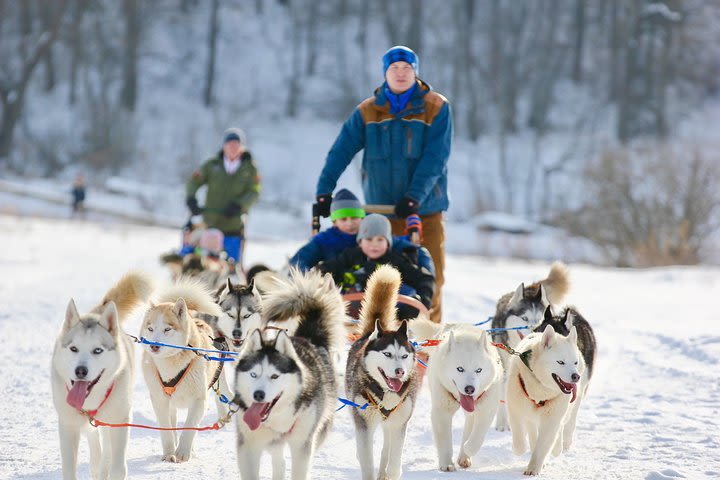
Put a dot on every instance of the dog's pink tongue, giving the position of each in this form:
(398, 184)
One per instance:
(574, 392)
(253, 415)
(395, 384)
(467, 403)
(77, 394)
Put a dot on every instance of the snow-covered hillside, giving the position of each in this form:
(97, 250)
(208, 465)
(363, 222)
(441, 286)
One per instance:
(652, 410)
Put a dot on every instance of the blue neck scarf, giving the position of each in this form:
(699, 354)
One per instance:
(399, 102)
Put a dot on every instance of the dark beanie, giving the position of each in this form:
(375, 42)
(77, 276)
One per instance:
(234, 134)
(345, 204)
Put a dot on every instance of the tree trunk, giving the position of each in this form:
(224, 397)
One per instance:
(212, 50)
(311, 33)
(46, 12)
(291, 107)
(12, 92)
(414, 35)
(128, 95)
(76, 48)
(579, 40)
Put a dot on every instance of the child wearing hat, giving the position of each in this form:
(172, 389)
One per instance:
(353, 267)
(346, 212)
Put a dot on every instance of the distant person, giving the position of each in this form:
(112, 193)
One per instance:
(78, 197)
(405, 130)
(233, 186)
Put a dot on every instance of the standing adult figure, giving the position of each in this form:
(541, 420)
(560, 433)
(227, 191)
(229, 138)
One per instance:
(233, 186)
(405, 132)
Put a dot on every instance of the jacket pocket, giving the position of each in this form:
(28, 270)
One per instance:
(414, 133)
(377, 140)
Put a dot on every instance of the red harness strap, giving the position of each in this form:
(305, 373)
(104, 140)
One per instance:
(170, 387)
(522, 386)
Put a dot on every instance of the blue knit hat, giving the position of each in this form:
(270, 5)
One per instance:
(345, 205)
(400, 53)
(234, 133)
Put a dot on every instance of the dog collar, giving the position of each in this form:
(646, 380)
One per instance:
(92, 413)
(522, 386)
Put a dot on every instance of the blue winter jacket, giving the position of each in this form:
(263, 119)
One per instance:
(404, 153)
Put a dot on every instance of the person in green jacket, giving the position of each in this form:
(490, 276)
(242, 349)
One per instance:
(233, 186)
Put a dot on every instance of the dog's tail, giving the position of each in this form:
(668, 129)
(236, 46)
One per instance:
(424, 329)
(557, 283)
(380, 300)
(313, 300)
(196, 294)
(133, 289)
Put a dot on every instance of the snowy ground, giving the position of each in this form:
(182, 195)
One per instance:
(653, 410)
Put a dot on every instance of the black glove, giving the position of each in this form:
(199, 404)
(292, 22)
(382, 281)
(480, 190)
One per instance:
(192, 204)
(323, 205)
(232, 209)
(406, 207)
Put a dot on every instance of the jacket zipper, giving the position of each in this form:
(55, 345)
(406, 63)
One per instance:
(409, 142)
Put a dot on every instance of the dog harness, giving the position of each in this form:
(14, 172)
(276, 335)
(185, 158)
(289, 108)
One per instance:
(383, 411)
(170, 386)
(522, 386)
(92, 413)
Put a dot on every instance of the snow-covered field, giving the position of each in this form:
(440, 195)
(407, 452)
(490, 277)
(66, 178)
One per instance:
(653, 410)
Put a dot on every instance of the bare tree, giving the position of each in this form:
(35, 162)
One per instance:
(128, 93)
(213, 30)
(76, 48)
(579, 40)
(14, 82)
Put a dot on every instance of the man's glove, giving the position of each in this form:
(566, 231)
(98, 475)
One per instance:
(406, 206)
(323, 205)
(232, 209)
(192, 204)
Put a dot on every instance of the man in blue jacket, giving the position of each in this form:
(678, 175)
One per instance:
(405, 130)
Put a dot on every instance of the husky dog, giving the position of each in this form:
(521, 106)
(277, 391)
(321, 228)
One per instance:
(93, 375)
(545, 381)
(465, 371)
(525, 307)
(285, 386)
(179, 378)
(240, 305)
(562, 323)
(381, 372)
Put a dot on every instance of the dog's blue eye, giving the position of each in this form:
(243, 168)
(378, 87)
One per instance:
(460, 369)
(274, 376)
(561, 362)
(97, 351)
(405, 356)
(478, 370)
(525, 318)
(387, 354)
(73, 349)
(253, 374)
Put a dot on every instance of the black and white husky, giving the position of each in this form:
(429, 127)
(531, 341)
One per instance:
(285, 385)
(525, 308)
(381, 372)
(240, 305)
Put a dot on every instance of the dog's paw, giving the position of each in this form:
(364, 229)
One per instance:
(447, 468)
(464, 461)
(502, 426)
(181, 455)
(531, 473)
(169, 458)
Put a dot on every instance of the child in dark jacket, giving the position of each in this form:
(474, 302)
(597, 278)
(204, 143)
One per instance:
(353, 267)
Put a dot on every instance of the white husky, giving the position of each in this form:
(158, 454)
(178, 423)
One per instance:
(542, 385)
(179, 378)
(465, 371)
(93, 375)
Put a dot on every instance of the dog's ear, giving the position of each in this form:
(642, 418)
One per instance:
(548, 316)
(377, 332)
(109, 318)
(402, 331)
(328, 283)
(518, 295)
(255, 291)
(484, 341)
(572, 336)
(568, 319)
(180, 309)
(284, 345)
(542, 295)
(548, 337)
(253, 342)
(450, 340)
(71, 316)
